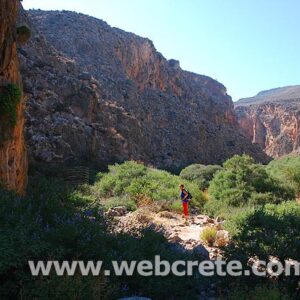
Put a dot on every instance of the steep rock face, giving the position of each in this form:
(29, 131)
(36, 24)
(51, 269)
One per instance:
(272, 119)
(13, 158)
(100, 93)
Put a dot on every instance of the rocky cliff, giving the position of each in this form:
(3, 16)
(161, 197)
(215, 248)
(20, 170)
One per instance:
(13, 159)
(272, 119)
(103, 94)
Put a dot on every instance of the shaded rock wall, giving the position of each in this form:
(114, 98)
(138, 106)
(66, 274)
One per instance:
(13, 158)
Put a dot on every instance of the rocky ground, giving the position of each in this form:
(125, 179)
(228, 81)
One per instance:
(184, 234)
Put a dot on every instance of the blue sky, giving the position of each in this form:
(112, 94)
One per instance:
(248, 45)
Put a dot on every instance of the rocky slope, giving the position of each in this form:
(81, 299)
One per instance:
(99, 93)
(13, 159)
(272, 119)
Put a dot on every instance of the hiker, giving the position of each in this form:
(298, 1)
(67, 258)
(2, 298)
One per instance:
(185, 198)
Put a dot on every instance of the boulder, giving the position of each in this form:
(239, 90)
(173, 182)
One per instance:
(117, 211)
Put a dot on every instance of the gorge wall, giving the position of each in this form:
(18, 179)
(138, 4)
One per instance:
(106, 95)
(13, 158)
(272, 119)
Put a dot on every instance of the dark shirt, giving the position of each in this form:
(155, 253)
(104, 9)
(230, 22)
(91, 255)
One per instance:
(182, 194)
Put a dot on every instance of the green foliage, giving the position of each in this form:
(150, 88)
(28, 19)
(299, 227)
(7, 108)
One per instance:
(23, 33)
(132, 181)
(54, 222)
(287, 170)
(244, 183)
(10, 96)
(201, 174)
(267, 230)
(208, 235)
(264, 232)
(126, 201)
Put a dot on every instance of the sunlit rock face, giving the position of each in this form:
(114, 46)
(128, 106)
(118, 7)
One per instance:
(103, 94)
(13, 158)
(272, 119)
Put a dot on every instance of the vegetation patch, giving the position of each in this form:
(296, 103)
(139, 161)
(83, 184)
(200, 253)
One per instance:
(242, 183)
(287, 170)
(54, 222)
(208, 235)
(24, 34)
(10, 97)
(201, 174)
(131, 182)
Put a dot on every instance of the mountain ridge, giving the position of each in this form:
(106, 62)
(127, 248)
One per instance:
(286, 93)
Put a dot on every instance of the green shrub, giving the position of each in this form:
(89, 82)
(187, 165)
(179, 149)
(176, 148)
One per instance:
(24, 34)
(10, 97)
(118, 178)
(208, 235)
(126, 201)
(243, 183)
(50, 224)
(270, 230)
(201, 174)
(263, 232)
(287, 170)
(132, 181)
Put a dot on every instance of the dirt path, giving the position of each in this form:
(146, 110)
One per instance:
(177, 230)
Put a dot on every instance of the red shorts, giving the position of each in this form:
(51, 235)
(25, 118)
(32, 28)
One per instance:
(185, 208)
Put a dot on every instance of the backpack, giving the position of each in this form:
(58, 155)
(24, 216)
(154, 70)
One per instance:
(189, 195)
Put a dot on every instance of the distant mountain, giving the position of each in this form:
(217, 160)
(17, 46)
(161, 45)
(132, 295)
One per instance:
(99, 93)
(288, 94)
(272, 119)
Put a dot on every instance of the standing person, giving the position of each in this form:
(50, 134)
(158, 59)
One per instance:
(185, 198)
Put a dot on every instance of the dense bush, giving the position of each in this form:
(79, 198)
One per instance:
(286, 169)
(23, 33)
(10, 96)
(264, 232)
(244, 183)
(56, 223)
(270, 230)
(201, 174)
(132, 181)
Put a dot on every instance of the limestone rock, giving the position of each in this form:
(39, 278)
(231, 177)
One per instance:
(117, 211)
(13, 157)
(106, 95)
(272, 120)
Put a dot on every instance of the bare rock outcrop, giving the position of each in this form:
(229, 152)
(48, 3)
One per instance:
(103, 94)
(13, 158)
(272, 120)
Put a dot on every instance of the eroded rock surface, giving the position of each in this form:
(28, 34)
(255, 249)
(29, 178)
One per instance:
(13, 158)
(103, 94)
(272, 119)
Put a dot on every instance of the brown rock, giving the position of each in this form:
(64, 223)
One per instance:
(13, 158)
(135, 104)
(272, 120)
